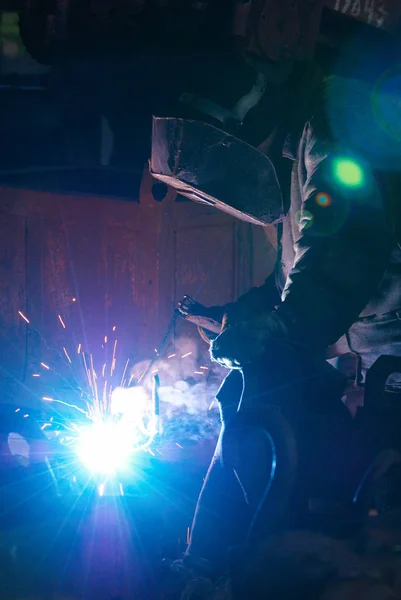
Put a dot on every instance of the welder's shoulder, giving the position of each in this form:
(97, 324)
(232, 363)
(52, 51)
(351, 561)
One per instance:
(316, 145)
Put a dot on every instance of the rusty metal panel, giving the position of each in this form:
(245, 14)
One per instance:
(91, 274)
(13, 330)
(204, 264)
(100, 263)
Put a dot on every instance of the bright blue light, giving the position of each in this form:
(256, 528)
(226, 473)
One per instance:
(105, 447)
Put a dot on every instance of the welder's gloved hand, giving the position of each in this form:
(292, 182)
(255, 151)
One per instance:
(213, 318)
(246, 342)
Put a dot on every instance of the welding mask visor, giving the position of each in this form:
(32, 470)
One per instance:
(213, 167)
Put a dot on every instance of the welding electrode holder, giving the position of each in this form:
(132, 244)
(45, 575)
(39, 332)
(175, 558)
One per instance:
(198, 314)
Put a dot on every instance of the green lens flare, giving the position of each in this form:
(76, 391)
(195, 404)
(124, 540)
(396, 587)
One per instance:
(348, 172)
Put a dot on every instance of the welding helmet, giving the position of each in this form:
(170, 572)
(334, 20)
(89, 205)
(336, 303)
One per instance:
(214, 157)
(210, 157)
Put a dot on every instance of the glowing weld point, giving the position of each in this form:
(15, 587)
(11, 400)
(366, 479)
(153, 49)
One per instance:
(79, 348)
(211, 405)
(61, 321)
(121, 489)
(105, 447)
(100, 489)
(35, 375)
(66, 353)
(171, 356)
(177, 444)
(17, 410)
(187, 354)
(45, 366)
(26, 416)
(23, 316)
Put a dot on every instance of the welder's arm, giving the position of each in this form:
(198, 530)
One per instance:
(343, 245)
(256, 300)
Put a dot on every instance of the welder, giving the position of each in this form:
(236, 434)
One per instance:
(307, 156)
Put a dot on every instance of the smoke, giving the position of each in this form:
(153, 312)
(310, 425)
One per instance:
(188, 386)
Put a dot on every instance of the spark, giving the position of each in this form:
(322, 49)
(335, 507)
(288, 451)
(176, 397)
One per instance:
(79, 348)
(198, 373)
(21, 314)
(66, 353)
(188, 536)
(155, 371)
(121, 489)
(35, 375)
(100, 489)
(17, 410)
(114, 327)
(73, 299)
(26, 416)
(171, 356)
(125, 370)
(105, 339)
(113, 361)
(158, 452)
(45, 425)
(156, 350)
(177, 444)
(104, 369)
(45, 366)
(187, 354)
(211, 405)
(88, 374)
(61, 321)
(74, 406)
(204, 368)
(151, 452)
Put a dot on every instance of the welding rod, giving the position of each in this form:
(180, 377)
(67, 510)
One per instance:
(162, 345)
(156, 401)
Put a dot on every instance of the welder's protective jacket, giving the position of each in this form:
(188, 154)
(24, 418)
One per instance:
(338, 261)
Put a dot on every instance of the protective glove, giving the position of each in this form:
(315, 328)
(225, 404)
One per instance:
(246, 342)
(211, 318)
